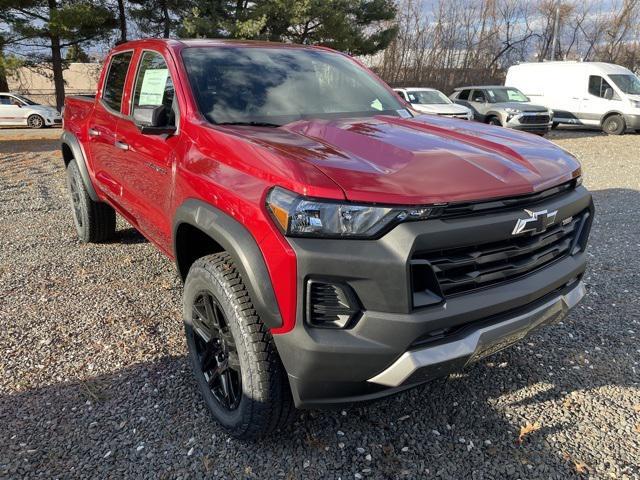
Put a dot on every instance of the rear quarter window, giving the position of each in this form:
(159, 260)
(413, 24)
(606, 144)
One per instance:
(116, 77)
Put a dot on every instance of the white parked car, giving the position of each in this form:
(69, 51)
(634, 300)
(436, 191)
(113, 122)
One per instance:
(582, 93)
(19, 110)
(430, 100)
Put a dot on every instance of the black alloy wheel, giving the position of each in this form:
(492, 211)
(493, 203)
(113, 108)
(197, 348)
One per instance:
(216, 351)
(74, 191)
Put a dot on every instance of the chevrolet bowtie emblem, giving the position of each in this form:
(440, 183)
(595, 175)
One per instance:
(537, 222)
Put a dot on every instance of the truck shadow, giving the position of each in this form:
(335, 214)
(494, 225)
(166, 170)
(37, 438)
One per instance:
(573, 381)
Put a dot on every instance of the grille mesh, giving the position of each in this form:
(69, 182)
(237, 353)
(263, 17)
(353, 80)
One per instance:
(460, 270)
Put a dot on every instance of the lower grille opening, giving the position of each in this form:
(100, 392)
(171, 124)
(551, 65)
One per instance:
(463, 269)
(329, 304)
(534, 119)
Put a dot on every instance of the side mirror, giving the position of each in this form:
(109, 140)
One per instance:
(152, 120)
(608, 93)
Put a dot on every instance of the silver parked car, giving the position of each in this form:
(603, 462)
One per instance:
(504, 106)
(430, 100)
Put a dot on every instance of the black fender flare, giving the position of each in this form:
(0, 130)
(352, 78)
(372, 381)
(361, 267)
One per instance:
(70, 140)
(236, 240)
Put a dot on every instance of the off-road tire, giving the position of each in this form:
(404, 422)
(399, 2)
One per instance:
(95, 222)
(614, 125)
(35, 121)
(265, 403)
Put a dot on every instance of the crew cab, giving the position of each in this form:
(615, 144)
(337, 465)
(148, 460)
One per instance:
(335, 245)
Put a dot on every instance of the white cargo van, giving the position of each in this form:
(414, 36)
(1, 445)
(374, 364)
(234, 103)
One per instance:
(582, 93)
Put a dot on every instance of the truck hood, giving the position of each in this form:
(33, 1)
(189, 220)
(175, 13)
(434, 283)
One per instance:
(441, 109)
(423, 160)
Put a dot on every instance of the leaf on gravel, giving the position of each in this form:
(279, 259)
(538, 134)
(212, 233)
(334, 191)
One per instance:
(526, 430)
(637, 428)
(636, 408)
(580, 467)
(206, 461)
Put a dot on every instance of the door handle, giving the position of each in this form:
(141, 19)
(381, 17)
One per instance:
(122, 145)
(93, 132)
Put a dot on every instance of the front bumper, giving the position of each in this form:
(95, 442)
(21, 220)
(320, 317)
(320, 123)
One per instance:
(632, 122)
(478, 342)
(49, 121)
(332, 366)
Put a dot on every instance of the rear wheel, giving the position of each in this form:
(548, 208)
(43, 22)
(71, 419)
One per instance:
(554, 125)
(234, 360)
(94, 221)
(614, 125)
(35, 121)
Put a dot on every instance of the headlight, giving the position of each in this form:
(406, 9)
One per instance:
(512, 110)
(298, 216)
(635, 103)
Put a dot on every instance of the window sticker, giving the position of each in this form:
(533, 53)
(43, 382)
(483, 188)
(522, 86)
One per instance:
(153, 85)
(377, 104)
(491, 94)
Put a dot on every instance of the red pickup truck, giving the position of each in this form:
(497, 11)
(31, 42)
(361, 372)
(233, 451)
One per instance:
(335, 245)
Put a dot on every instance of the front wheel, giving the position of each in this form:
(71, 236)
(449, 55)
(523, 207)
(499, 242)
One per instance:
(236, 366)
(495, 121)
(614, 125)
(35, 121)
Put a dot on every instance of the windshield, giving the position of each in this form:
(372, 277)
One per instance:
(500, 95)
(26, 100)
(281, 85)
(428, 97)
(627, 83)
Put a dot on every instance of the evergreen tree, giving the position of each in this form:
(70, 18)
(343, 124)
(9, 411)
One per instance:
(75, 54)
(356, 26)
(55, 25)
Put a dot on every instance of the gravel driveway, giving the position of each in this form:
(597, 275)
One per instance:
(94, 380)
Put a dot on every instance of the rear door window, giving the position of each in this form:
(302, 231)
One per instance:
(464, 95)
(116, 77)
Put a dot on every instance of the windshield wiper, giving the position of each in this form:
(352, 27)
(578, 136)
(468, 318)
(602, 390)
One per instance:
(252, 124)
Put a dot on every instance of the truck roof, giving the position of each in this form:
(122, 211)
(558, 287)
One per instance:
(209, 42)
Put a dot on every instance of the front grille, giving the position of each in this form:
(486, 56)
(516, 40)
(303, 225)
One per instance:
(463, 269)
(534, 119)
(461, 116)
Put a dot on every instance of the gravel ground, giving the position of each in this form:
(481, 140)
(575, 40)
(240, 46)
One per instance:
(94, 380)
